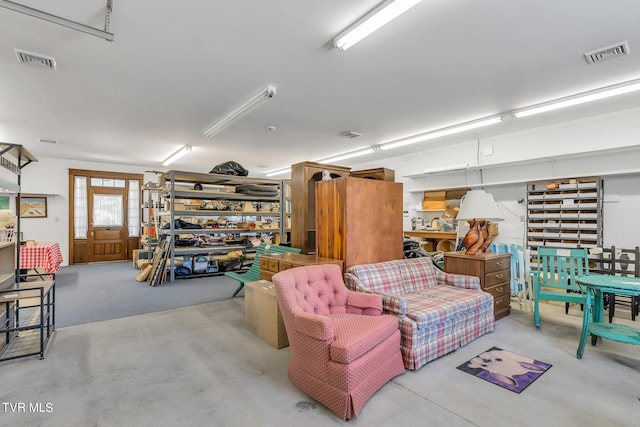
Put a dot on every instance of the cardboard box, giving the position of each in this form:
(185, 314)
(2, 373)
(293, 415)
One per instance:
(141, 254)
(262, 314)
(434, 200)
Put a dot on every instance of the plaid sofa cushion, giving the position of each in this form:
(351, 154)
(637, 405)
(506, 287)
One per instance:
(441, 304)
(418, 274)
(383, 277)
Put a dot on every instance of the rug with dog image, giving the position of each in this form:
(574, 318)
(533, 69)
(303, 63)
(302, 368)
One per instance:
(506, 369)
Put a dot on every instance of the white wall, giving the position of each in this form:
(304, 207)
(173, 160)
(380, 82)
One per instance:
(51, 176)
(611, 143)
(608, 146)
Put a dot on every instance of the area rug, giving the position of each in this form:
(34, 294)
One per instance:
(506, 369)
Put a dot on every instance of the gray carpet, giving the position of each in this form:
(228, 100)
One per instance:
(92, 292)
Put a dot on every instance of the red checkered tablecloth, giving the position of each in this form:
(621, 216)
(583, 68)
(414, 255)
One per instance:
(43, 255)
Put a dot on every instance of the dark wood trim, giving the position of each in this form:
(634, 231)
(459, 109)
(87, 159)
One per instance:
(99, 174)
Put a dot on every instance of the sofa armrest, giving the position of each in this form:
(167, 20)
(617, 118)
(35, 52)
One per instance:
(364, 303)
(462, 281)
(392, 304)
(314, 325)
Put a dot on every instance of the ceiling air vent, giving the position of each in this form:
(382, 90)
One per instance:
(48, 141)
(607, 52)
(351, 134)
(35, 58)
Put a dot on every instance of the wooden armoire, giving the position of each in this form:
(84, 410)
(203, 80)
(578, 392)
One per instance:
(359, 220)
(304, 176)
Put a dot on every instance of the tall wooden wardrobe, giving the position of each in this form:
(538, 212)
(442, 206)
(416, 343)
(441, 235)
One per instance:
(359, 220)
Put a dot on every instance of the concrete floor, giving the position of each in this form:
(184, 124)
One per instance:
(199, 365)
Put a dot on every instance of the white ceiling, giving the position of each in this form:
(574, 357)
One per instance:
(176, 66)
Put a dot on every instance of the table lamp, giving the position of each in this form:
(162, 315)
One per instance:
(478, 208)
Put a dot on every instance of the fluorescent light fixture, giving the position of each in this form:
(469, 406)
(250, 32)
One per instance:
(348, 155)
(243, 109)
(278, 172)
(175, 156)
(441, 132)
(448, 168)
(594, 95)
(378, 17)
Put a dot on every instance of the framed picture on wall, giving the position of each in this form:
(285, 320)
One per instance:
(33, 207)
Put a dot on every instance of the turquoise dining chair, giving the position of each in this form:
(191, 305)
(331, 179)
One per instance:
(554, 277)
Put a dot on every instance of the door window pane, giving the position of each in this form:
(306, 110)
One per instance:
(108, 182)
(107, 210)
(80, 209)
(134, 208)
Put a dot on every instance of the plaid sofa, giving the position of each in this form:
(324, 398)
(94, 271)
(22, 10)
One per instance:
(438, 312)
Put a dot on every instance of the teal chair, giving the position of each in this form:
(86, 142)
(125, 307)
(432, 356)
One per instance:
(554, 277)
(253, 273)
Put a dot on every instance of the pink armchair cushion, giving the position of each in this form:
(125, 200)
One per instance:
(356, 334)
(314, 326)
(361, 303)
(319, 291)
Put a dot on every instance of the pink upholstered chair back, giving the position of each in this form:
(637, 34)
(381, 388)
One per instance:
(317, 289)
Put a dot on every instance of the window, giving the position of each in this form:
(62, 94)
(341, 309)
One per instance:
(134, 208)
(107, 182)
(80, 220)
(107, 210)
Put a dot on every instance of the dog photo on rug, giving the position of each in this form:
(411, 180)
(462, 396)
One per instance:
(506, 369)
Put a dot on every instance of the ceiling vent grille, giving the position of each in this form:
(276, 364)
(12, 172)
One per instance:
(607, 52)
(35, 58)
(48, 141)
(351, 134)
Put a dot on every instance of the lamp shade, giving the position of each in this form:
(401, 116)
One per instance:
(478, 204)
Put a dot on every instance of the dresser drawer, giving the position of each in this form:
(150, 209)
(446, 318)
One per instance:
(282, 265)
(492, 279)
(501, 306)
(266, 275)
(499, 290)
(493, 265)
(264, 264)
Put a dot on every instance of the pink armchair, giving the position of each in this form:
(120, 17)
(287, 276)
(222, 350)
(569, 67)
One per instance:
(343, 349)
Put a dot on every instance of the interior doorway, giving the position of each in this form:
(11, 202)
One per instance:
(104, 215)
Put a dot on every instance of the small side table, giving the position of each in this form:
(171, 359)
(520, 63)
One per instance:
(595, 286)
(29, 318)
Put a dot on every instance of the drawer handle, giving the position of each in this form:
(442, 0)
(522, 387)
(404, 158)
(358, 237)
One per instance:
(499, 289)
(500, 276)
(499, 263)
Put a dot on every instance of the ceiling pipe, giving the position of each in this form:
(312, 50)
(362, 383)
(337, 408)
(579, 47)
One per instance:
(36, 13)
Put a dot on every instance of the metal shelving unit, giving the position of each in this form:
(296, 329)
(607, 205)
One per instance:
(220, 202)
(569, 216)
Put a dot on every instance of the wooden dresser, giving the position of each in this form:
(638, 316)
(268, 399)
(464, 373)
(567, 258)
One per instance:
(494, 271)
(271, 264)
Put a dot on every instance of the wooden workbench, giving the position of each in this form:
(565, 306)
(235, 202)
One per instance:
(432, 237)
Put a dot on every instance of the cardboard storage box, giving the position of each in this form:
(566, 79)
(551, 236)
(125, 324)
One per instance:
(262, 314)
(434, 200)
